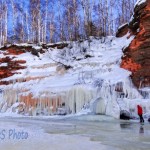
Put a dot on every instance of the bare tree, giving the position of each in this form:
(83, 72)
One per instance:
(35, 20)
(1, 25)
(46, 13)
(13, 19)
(27, 25)
(50, 20)
(5, 19)
(61, 21)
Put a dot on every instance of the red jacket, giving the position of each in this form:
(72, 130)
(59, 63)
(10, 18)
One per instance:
(140, 110)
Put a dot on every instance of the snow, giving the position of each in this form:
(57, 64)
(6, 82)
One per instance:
(145, 89)
(37, 47)
(139, 2)
(122, 25)
(46, 78)
(3, 64)
(131, 19)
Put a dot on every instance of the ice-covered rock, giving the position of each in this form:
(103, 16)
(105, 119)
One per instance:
(60, 82)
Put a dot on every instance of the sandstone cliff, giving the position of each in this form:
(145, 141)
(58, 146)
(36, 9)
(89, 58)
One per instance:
(10, 65)
(137, 55)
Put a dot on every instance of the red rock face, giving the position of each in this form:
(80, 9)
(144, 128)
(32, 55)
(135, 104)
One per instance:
(137, 56)
(11, 65)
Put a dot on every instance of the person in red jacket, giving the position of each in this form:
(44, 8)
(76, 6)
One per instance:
(140, 113)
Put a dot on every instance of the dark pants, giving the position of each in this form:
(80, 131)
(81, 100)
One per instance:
(141, 118)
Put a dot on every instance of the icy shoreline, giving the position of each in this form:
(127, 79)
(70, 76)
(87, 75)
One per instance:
(83, 132)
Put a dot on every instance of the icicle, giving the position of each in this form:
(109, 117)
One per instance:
(77, 97)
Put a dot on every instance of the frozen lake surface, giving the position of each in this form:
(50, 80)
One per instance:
(73, 133)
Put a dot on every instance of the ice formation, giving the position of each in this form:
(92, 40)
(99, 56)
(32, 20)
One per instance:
(78, 97)
(85, 75)
(112, 98)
